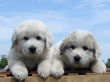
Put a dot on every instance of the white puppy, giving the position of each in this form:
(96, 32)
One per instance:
(31, 47)
(77, 50)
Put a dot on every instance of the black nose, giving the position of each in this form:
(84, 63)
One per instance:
(77, 58)
(32, 49)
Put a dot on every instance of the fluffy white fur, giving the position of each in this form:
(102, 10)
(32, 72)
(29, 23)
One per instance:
(21, 58)
(79, 49)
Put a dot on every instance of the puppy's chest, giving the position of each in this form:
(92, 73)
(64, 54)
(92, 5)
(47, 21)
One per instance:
(31, 64)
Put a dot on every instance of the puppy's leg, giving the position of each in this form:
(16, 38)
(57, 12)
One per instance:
(57, 68)
(99, 67)
(19, 71)
(44, 68)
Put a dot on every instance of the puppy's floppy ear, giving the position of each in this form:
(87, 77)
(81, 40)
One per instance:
(63, 48)
(49, 40)
(97, 50)
(14, 39)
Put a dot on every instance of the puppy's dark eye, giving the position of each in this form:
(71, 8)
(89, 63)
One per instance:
(25, 38)
(38, 38)
(85, 48)
(73, 47)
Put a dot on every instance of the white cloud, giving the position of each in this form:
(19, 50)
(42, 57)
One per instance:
(104, 33)
(92, 3)
(105, 51)
(5, 33)
(7, 26)
(99, 11)
(97, 18)
(5, 20)
(105, 46)
(59, 27)
(58, 1)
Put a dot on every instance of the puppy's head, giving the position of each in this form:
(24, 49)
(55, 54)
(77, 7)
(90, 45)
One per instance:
(80, 48)
(32, 37)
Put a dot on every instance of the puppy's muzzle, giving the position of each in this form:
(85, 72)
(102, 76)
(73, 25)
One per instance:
(32, 49)
(77, 59)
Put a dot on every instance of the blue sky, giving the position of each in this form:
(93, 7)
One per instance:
(61, 16)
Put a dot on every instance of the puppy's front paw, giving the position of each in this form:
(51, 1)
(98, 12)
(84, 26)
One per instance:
(57, 71)
(43, 71)
(99, 67)
(20, 73)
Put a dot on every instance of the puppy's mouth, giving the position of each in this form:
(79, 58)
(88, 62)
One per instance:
(76, 65)
(77, 62)
(33, 53)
